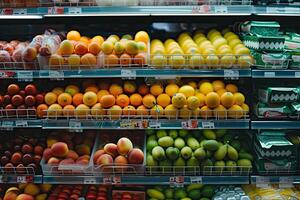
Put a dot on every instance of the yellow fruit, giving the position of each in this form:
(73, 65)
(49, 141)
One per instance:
(212, 100)
(228, 60)
(225, 30)
(232, 37)
(163, 100)
(176, 61)
(239, 98)
(171, 89)
(200, 40)
(231, 88)
(107, 47)
(234, 42)
(245, 107)
(235, 112)
(224, 51)
(187, 90)
(226, 35)
(206, 88)
(217, 85)
(201, 98)
(196, 61)
(193, 84)
(157, 111)
(212, 61)
(193, 102)
(185, 113)
(242, 51)
(219, 42)
(221, 91)
(220, 112)
(142, 36)
(205, 112)
(156, 89)
(158, 61)
(179, 100)
(245, 61)
(171, 112)
(227, 99)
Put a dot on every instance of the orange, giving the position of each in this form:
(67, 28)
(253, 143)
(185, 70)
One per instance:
(56, 61)
(212, 100)
(68, 110)
(107, 47)
(82, 110)
(72, 89)
(220, 112)
(78, 99)
(156, 89)
(74, 60)
(136, 99)
(239, 98)
(143, 89)
(125, 59)
(184, 112)
(171, 112)
(201, 98)
(66, 47)
(140, 59)
(157, 111)
(81, 48)
(129, 111)
(193, 84)
(149, 101)
(50, 98)
(94, 48)
(73, 35)
(163, 100)
(101, 93)
(206, 88)
(142, 36)
(64, 99)
(41, 110)
(221, 91)
(205, 112)
(142, 111)
(187, 90)
(122, 100)
(85, 39)
(231, 88)
(227, 99)
(172, 89)
(119, 48)
(235, 112)
(90, 98)
(111, 60)
(88, 60)
(217, 85)
(91, 88)
(97, 111)
(115, 89)
(107, 101)
(58, 90)
(54, 110)
(245, 108)
(131, 47)
(114, 112)
(98, 39)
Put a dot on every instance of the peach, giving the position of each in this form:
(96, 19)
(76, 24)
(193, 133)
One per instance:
(83, 149)
(56, 61)
(90, 98)
(10, 196)
(105, 159)
(121, 160)
(98, 111)
(66, 47)
(94, 48)
(67, 161)
(74, 60)
(24, 197)
(29, 54)
(53, 161)
(20, 169)
(114, 112)
(97, 154)
(82, 111)
(89, 60)
(111, 149)
(16, 158)
(82, 162)
(124, 145)
(32, 189)
(4, 56)
(59, 149)
(81, 48)
(72, 154)
(135, 156)
(84, 157)
(47, 154)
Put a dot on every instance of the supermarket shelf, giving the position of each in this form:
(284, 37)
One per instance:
(275, 124)
(20, 123)
(9, 179)
(275, 179)
(275, 73)
(281, 10)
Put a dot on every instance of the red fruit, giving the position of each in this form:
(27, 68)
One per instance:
(22, 93)
(27, 148)
(30, 100)
(17, 100)
(9, 48)
(16, 158)
(6, 99)
(27, 159)
(30, 89)
(1, 100)
(47, 154)
(13, 89)
(38, 150)
(21, 111)
(37, 159)
(39, 98)
(9, 110)
(4, 160)
(8, 167)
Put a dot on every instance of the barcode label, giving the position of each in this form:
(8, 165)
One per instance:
(208, 125)
(26, 76)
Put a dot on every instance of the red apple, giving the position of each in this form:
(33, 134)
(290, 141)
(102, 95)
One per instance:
(22, 93)
(13, 89)
(9, 110)
(21, 111)
(39, 99)
(1, 100)
(30, 100)
(6, 99)
(17, 100)
(30, 89)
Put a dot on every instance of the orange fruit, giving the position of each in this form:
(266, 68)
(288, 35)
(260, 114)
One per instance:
(125, 59)
(50, 98)
(245, 108)
(172, 89)
(82, 111)
(56, 61)
(227, 99)
(78, 99)
(136, 99)
(98, 39)
(66, 47)
(201, 98)
(107, 47)
(212, 100)
(205, 112)
(72, 89)
(73, 35)
(142, 36)
(235, 112)
(221, 91)
(101, 93)
(129, 111)
(88, 60)
(171, 112)
(163, 100)
(143, 89)
(94, 48)
(142, 111)
(140, 59)
(132, 47)
(206, 88)
(97, 111)
(91, 88)
(85, 39)
(54, 110)
(115, 89)
(149, 100)
(64, 99)
(231, 88)
(156, 89)
(239, 98)
(220, 112)
(81, 48)
(107, 101)
(58, 90)
(90, 98)
(157, 111)
(111, 60)
(217, 85)
(41, 110)
(114, 112)
(68, 111)
(122, 100)
(185, 112)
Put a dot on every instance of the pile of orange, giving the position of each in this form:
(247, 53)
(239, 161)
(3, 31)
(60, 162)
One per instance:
(189, 100)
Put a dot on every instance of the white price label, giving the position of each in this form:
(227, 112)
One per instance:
(286, 182)
(200, 9)
(75, 125)
(116, 180)
(154, 124)
(7, 124)
(89, 180)
(75, 10)
(21, 123)
(297, 74)
(190, 124)
(208, 125)
(274, 10)
(26, 76)
(221, 9)
(196, 179)
(20, 11)
(262, 182)
(231, 74)
(21, 179)
(269, 74)
(56, 75)
(128, 73)
(177, 181)
(291, 10)
(107, 180)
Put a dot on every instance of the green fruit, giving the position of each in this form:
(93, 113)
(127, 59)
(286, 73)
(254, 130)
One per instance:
(245, 155)
(230, 166)
(180, 193)
(208, 191)
(227, 138)
(173, 134)
(200, 153)
(153, 193)
(209, 134)
(166, 141)
(193, 143)
(179, 143)
(204, 198)
(165, 163)
(192, 162)
(151, 144)
(195, 194)
(209, 154)
(172, 153)
(149, 131)
(186, 152)
(186, 198)
(151, 137)
(219, 165)
(220, 144)
(220, 132)
(150, 161)
(196, 186)
(183, 133)
(232, 153)
(158, 153)
(161, 133)
(169, 193)
(153, 199)
(236, 144)
(179, 162)
(159, 188)
(244, 162)
(211, 145)
(221, 152)
(207, 164)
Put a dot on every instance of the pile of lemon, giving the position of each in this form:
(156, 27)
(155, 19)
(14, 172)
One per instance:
(214, 50)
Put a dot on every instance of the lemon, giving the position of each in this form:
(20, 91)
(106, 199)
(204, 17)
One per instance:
(215, 37)
(242, 51)
(200, 40)
(169, 41)
(219, 42)
(224, 51)
(234, 42)
(208, 51)
(226, 35)
(196, 61)
(212, 60)
(214, 34)
(227, 60)
(198, 35)
(232, 37)
(204, 43)
(211, 32)
(192, 50)
(156, 41)
(238, 46)
(158, 61)
(175, 51)
(176, 61)
(157, 51)
(245, 61)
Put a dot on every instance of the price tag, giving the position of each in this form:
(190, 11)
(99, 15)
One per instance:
(131, 123)
(221, 9)
(21, 123)
(116, 180)
(262, 182)
(208, 125)
(89, 180)
(196, 179)
(297, 74)
(177, 181)
(56, 75)
(190, 124)
(7, 74)
(231, 74)
(55, 10)
(7, 11)
(200, 9)
(107, 180)
(75, 10)
(269, 74)
(26, 76)
(20, 11)
(75, 126)
(21, 179)
(286, 182)
(128, 73)
(154, 124)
